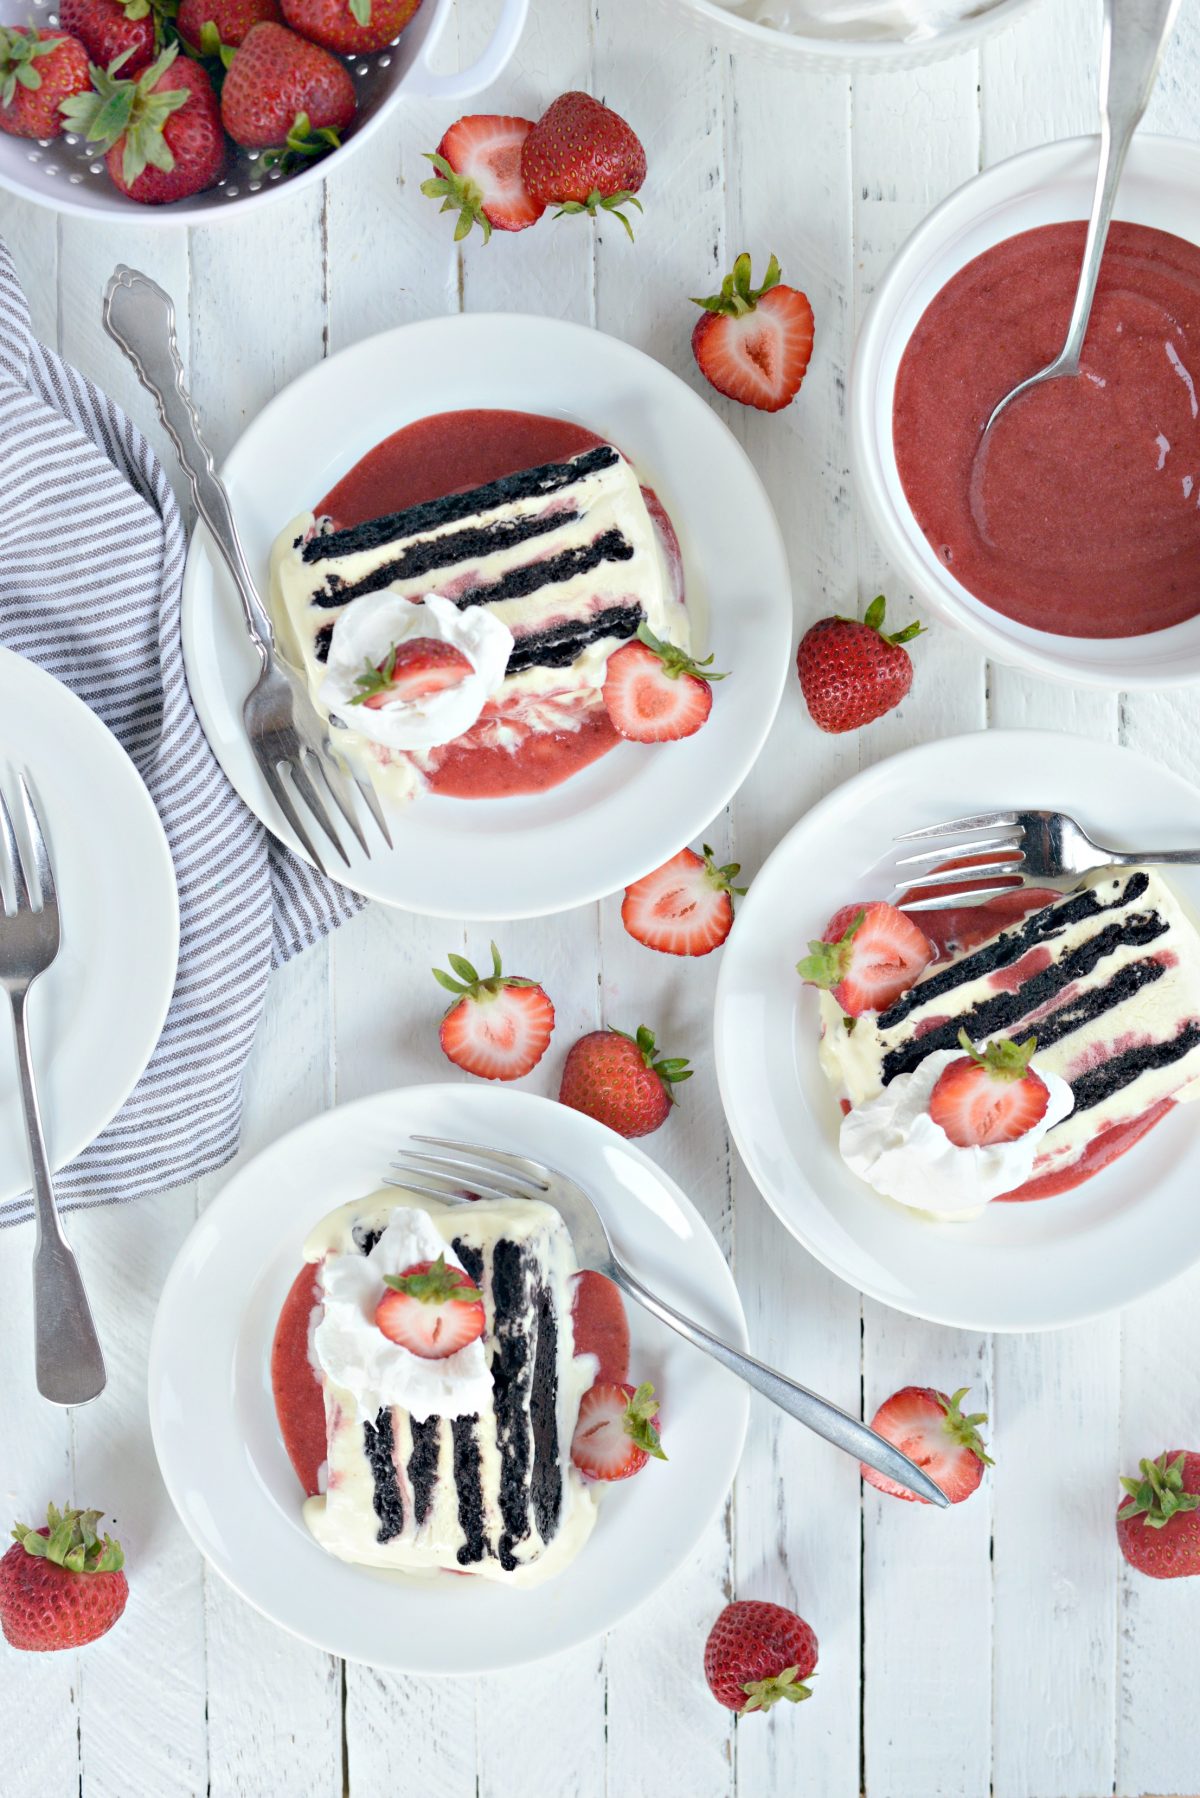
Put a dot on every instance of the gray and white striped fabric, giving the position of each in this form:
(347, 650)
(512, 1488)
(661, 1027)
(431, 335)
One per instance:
(91, 562)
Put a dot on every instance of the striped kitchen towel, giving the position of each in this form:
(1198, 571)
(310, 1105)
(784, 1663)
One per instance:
(91, 564)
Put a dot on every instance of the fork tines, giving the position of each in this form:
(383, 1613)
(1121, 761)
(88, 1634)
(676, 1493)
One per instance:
(46, 897)
(486, 1173)
(997, 858)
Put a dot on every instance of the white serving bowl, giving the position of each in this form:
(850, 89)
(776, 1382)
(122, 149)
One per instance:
(66, 174)
(1160, 188)
(838, 55)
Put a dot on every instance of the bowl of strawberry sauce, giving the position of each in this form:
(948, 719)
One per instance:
(1068, 540)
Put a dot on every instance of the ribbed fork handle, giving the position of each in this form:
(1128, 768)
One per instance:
(69, 1361)
(818, 1414)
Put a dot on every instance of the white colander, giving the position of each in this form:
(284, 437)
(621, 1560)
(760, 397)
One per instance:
(66, 174)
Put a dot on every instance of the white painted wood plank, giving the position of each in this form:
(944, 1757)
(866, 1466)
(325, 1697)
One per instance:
(31, 234)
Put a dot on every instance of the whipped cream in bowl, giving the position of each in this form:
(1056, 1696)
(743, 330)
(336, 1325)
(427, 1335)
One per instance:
(892, 1143)
(356, 1355)
(365, 635)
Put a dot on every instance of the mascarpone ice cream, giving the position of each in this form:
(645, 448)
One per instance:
(462, 1463)
(902, 21)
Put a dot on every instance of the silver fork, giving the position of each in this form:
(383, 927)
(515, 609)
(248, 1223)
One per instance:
(1033, 845)
(286, 732)
(70, 1365)
(495, 1174)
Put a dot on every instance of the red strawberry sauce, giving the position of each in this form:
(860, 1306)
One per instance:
(598, 1315)
(447, 453)
(1079, 512)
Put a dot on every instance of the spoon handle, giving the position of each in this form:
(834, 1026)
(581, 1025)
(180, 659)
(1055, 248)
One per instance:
(1131, 50)
(818, 1414)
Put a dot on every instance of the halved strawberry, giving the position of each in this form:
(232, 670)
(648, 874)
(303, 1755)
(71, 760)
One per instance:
(868, 956)
(411, 670)
(478, 165)
(617, 1431)
(931, 1430)
(431, 1310)
(753, 343)
(501, 1024)
(654, 692)
(685, 907)
(989, 1095)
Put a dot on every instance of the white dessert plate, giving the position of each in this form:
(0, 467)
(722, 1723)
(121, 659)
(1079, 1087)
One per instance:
(1030, 1266)
(218, 1443)
(631, 810)
(97, 1013)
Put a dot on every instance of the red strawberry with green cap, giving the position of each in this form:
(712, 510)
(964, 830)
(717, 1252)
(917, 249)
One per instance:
(581, 156)
(62, 1585)
(111, 28)
(1158, 1524)
(989, 1095)
(500, 1024)
(286, 97)
(39, 72)
(931, 1430)
(617, 1431)
(868, 956)
(753, 344)
(621, 1080)
(431, 1309)
(478, 165)
(685, 907)
(349, 27)
(758, 1655)
(161, 134)
(412, 670)
(654, 692)
(217, 27)
(851, 671)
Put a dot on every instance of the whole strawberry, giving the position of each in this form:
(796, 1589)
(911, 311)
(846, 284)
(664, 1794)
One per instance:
(61, 1585)
(349, 26)
(852, 673)
(581, 156)
(758, 1654)
(1158, 1525)
(620, 1081)
(161, 134)
(285, 96)
(753, 344)
(217, 27)
(111, 28)
(39, 70)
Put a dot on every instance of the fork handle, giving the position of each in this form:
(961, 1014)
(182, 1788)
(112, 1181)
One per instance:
(140, 316)
(1152, 858)
(818, 1414)
(68, 1357)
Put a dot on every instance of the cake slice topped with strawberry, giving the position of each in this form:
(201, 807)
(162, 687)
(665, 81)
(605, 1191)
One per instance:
(868, 956)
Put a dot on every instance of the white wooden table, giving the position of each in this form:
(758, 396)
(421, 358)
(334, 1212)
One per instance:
(1002, 1646)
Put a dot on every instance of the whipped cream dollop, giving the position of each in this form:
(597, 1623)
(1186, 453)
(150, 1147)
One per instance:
(356, 1355)
(893, 1144)
(902, 21)
(366, 633)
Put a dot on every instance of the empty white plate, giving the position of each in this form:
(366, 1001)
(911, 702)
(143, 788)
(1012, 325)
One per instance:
(1028, 1266)
(631, 810)
(97, 1013)
(218, 1443)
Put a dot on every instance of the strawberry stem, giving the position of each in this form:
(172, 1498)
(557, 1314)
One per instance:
(640, 1427)
(438, 1286)
(827, 964)
(965, 1429)
(458, 193)
(737, 297)
(677, 661)
(596, 201)
(1158, 1495)
(72, 1542)
(1002, 1059)
(761, 1694)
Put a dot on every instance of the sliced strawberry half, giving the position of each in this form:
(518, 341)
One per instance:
(685, 907)
(500, 1024)
(931, 1430)
(411, 670)
(655, 692)
(431, 1310)
(617, 1431)
(868, 956)
(989, 1095)
(478, 165)
(753, 344)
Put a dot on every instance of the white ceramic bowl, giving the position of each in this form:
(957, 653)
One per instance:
(1160, 187)
(65, 174)
(839, 55)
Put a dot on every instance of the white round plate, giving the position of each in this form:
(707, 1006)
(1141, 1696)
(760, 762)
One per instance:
(219, 1446)
(97, 1013)
(1030, 1266)
(631, 810)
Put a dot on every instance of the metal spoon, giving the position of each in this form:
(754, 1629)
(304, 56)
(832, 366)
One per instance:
(1131, 51)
